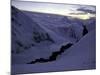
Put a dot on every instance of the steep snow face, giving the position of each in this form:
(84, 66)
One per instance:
(64, 26)
(26, 32)
(43, 18)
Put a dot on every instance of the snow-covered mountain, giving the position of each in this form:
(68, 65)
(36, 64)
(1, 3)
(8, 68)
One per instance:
(49, 40)
(30, 39)
(26, 32)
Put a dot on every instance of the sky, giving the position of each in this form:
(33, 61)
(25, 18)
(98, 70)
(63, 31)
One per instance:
(76, 11)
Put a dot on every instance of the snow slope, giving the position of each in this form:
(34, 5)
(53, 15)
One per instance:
(79, 56)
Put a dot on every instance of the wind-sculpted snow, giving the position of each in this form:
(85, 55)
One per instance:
(47, 40)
